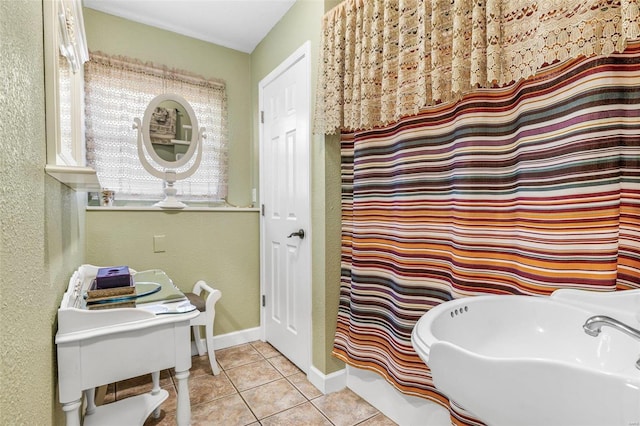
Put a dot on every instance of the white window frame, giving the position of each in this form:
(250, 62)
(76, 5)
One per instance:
(65, 44)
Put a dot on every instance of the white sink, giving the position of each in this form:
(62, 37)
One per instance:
(523, 360)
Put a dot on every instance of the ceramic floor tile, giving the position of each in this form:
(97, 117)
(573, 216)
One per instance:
(300, 381)
(251, 375)
(272, 398)
(141, 384)
(378, 420)
(200, 365)
(283, 365)
(236, 356)
(273, 391)
(169, 404)
(228, 411)
(305, 414)
(344, 408)
(206, 387)
(265, 349)
(110, 395)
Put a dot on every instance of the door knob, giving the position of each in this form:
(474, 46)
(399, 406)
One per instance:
(299, 233)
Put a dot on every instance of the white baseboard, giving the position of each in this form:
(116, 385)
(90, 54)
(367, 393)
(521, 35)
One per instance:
(236, 338)
(403, 409)
(327, 383)
(232, 339)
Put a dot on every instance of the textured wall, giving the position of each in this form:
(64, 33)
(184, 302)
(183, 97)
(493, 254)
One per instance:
(40, 238)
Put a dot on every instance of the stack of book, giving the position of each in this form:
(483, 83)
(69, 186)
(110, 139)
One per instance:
(112, 288)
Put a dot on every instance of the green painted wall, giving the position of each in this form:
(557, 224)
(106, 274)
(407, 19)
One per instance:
(301, 23)
(219, 247)
(41, 227)
(117, 36)
(242, 72)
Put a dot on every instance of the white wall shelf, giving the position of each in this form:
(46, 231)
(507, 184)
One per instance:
(78, 178)
(186, 209)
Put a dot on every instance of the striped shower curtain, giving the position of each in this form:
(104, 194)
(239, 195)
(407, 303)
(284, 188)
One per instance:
(521, 190)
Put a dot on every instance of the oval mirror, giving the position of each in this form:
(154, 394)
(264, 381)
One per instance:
(170, 131)
(170, 135)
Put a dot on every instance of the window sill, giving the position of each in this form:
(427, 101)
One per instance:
(186, 209)
(81, 179)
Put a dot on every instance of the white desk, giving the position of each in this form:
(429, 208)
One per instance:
(97, 347)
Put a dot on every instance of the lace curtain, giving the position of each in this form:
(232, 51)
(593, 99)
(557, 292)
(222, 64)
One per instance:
(117, 90)
(386, 59)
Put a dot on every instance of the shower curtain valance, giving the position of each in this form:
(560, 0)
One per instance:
(386, 59)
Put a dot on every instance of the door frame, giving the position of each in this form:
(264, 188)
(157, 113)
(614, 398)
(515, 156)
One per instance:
(303, 53)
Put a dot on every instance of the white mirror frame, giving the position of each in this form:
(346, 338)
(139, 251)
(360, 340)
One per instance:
(146, 136)
(167, 170)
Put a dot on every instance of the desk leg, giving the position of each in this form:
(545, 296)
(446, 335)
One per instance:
(72, 412)
(155, 377)
(183, 410)
(89, 395)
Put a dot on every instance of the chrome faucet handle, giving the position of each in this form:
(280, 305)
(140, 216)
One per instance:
(593, 327)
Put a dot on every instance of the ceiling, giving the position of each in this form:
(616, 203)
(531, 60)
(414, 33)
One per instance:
(236, 24)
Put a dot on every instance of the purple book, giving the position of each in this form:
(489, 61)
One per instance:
(115, 276)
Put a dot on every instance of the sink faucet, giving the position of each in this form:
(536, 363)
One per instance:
(593, 327)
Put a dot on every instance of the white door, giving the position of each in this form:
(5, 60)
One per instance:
(285, 196)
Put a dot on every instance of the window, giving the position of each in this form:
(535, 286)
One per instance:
(119, 89)
(65, 52)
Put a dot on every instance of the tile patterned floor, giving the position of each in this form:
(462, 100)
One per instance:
(256, 386)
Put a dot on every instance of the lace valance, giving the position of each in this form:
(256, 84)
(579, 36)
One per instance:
(386, 59)
(119, 88)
